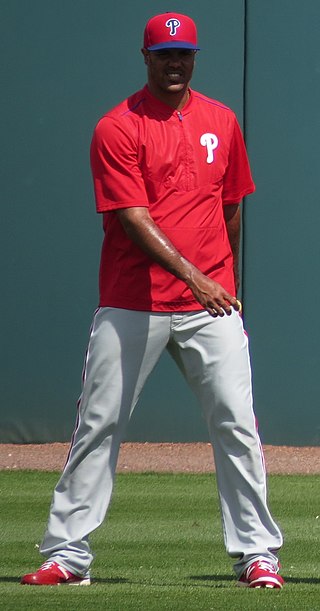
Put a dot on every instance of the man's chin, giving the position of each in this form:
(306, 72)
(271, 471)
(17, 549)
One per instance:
(176, 87)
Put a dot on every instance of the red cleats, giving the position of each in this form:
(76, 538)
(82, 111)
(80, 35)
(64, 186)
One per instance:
(52, 574)
(261, 574)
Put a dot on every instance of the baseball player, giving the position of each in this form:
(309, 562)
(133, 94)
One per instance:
(169, 168)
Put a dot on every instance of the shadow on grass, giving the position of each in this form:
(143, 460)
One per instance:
(110, 580)
(200, 578)
(310, 580)
(207, 579)
(212, 577)
(183, 584)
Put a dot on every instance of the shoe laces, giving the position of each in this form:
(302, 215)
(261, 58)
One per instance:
(263, 565)
(47, 565)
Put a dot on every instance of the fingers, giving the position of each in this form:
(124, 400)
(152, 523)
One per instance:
(238, 306)
(213, 312)
(216, 309)
(212, 296)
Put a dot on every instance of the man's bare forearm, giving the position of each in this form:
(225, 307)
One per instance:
(142, 230)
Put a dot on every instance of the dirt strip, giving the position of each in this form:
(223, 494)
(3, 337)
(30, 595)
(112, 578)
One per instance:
(159, 457)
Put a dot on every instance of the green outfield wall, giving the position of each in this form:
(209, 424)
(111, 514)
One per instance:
(64, 63)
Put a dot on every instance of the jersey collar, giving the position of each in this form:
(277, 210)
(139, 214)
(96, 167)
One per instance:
(162, 108)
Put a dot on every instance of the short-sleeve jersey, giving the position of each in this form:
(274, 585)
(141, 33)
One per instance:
(184, 166)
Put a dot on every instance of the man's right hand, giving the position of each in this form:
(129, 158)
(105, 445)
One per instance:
(144, 232)
(211, 295)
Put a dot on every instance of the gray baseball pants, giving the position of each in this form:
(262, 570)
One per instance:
(212, 354)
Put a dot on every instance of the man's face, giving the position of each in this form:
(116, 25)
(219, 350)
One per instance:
(169, 70)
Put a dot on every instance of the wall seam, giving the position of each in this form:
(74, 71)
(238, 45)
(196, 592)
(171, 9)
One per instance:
(244, 105)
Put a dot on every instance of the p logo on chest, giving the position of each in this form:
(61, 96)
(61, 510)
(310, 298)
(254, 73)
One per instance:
(211, 142)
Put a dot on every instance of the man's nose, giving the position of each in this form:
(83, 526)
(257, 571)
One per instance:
(175, 57)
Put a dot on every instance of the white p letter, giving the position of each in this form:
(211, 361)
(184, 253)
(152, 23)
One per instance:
(211, 142)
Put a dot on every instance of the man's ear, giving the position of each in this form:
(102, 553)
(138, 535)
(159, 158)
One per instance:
(145, 54)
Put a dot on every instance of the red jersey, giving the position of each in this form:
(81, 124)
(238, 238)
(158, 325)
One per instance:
(184, 166)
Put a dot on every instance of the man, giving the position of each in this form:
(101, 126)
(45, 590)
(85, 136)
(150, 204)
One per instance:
(169, 168)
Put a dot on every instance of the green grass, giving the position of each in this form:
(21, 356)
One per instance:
(161, 547)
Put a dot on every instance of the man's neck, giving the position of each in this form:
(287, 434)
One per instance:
(174, 100)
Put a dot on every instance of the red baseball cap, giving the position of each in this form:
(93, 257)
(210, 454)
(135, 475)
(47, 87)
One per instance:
(169, 31)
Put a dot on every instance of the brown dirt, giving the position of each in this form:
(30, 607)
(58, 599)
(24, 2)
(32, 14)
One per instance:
(159, 457)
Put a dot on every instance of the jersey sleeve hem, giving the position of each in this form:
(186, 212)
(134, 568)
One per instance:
(120, 205)
(236, 199)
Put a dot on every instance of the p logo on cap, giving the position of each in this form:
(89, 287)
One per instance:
(173, 24)
(170, 31)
